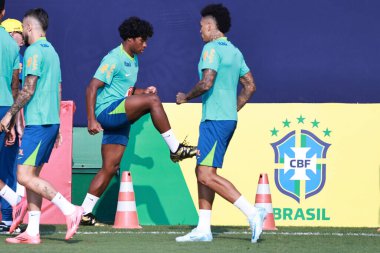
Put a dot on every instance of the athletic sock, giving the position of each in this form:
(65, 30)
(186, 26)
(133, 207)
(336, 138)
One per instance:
(204, 222)
(247, 208)
(89, 203)
(171, 140)
(20, 190)
(33, 228)
(9, 195)
(63, 204)
(7, 222)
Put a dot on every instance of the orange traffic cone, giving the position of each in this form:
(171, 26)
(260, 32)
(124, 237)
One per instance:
(264, 200)
(126, 214)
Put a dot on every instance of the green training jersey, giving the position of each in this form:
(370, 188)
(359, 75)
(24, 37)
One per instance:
(9, 61)
(118, 71)
(42, 60)
(220, 102)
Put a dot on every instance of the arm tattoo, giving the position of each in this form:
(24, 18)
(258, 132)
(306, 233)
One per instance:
(247, 91)
(15, 83)
(208, 77)
(24, 95)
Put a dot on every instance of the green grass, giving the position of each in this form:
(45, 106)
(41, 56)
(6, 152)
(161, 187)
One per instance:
(157, 239)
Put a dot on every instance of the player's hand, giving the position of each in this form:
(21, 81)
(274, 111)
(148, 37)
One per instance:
(181, 98)
(150, 90)
(10, 137)
(4, 124)
(58, 140)
(94, 127)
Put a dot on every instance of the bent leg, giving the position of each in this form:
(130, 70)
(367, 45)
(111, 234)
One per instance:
(111, 155)
(207, 176)
(28, 176)
(138, 105)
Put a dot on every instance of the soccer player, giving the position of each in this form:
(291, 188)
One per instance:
(9, 83)
(113, 104)
(221, 67)
(40, 97)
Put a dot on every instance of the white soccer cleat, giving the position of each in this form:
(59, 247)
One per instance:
(195, 236)
(256, 223)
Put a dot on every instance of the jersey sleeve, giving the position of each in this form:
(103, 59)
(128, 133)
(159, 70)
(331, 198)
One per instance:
(107, 69)
(33, 58)
(16, 63)
(209, 58)
(243, 68)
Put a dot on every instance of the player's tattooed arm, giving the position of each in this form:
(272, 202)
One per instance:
(247, 91)
(207, 81)
(24, 95)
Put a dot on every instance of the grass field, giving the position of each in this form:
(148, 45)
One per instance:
(105, 239)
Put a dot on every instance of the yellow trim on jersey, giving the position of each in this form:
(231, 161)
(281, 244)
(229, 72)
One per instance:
(122, 50)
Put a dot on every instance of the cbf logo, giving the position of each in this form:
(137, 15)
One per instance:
(300, 157)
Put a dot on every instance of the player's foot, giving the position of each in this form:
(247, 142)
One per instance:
(256, 223)
(24, 238)
(195, 236)
(4, 229)
(18, 213)
(184, 151)
(88, 220)
(72, 222)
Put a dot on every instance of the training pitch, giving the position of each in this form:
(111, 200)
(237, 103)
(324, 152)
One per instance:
(157, 239)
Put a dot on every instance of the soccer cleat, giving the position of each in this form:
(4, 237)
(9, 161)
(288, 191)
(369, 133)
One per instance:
(72, 222)
(25, 239)
(88, 220)
(256, 223)
(4, 229)
(184, 151)
(195, 236)
(18, 213)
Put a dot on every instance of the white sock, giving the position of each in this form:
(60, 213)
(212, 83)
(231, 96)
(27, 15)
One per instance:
(63, 204)
(9, 195)
(20, 190)
(89, 203)
(247, 208)
(170, 139)
(33, 228)
(7, 222)
(204, 222)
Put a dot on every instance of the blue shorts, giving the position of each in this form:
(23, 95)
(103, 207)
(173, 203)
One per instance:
(214, 137)
(37, 144)
(115, 123)
(8, 168)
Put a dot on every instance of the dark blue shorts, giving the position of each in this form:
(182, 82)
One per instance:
(115, 123)
(37, 144)
(214, 137)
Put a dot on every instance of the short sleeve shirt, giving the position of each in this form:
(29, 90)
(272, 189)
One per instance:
(118, 71)
(220, 102)
(9, 61)
(41, 59)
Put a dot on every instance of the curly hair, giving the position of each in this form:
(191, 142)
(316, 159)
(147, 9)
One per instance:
(221, 15)
(40, 15)
(135, 27)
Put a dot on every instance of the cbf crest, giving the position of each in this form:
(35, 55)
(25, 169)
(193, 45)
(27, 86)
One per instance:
(300, 156)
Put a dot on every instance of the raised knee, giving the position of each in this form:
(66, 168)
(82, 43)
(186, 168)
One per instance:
(154, 99)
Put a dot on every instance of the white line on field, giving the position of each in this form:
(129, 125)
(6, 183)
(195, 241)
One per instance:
(222, 233)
